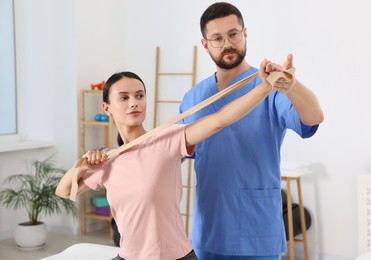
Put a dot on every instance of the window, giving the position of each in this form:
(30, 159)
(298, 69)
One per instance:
(8, 91)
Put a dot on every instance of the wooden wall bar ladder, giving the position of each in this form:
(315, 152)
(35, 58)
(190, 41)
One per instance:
(157, 102)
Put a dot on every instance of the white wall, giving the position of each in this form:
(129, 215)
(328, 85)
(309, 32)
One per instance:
(67, 45)
(47, 93)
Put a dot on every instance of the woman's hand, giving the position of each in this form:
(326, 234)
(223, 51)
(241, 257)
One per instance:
(94, 157)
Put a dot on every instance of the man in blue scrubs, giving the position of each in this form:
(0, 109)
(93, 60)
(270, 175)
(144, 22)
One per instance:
(238, 207)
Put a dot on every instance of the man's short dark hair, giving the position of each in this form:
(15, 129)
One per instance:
(219, 10)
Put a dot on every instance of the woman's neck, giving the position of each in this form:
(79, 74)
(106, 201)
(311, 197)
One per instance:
(128, 134)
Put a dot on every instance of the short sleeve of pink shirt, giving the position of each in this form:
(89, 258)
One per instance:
(144, 190)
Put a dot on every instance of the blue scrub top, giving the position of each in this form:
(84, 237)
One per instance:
(238, 205)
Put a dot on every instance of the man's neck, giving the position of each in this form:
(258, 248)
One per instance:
(224, 77)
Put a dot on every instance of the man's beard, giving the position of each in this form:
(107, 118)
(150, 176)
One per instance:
(225, 65)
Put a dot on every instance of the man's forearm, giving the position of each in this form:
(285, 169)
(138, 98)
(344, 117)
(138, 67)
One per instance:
(306, 104)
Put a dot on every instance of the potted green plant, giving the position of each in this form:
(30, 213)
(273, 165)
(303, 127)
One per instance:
(35, 192)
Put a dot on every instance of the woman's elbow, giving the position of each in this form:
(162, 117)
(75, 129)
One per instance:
(62, 193)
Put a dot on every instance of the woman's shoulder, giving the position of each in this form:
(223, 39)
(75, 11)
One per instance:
(172, 129)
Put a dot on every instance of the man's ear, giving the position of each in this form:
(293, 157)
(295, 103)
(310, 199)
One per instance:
(205, 45)
(245, 32)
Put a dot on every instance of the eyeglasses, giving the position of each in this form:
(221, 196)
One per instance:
(218, 41)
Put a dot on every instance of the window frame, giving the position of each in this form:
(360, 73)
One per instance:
(12, 136)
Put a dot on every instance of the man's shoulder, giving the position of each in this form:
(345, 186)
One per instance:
(205, 82)
(247, 72)
(201, 88)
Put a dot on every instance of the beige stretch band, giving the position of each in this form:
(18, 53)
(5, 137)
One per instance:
(288, 75)
(272, 78)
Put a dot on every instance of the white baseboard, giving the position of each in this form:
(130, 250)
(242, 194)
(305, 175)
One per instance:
(6, 234)
(63, 229)
(91, 226)
(94, 226)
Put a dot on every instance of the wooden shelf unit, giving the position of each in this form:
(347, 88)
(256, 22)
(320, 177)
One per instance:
(109, 139)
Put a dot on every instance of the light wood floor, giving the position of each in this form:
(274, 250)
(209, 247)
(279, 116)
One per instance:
(56, 243)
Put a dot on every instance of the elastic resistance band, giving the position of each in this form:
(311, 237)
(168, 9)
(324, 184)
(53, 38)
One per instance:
(272, 78)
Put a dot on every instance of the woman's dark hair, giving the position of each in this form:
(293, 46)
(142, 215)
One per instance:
(116, 77)
(112, 80)
(119, 140)
(219, 10)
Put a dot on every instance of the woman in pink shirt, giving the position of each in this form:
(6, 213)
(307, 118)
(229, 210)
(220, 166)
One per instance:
(144, 185)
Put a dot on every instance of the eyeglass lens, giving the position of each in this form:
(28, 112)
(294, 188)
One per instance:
(234, 36)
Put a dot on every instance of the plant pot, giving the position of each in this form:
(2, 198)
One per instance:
(30, 237)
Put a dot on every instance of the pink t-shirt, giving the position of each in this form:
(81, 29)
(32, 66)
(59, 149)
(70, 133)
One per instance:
(144, 190)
